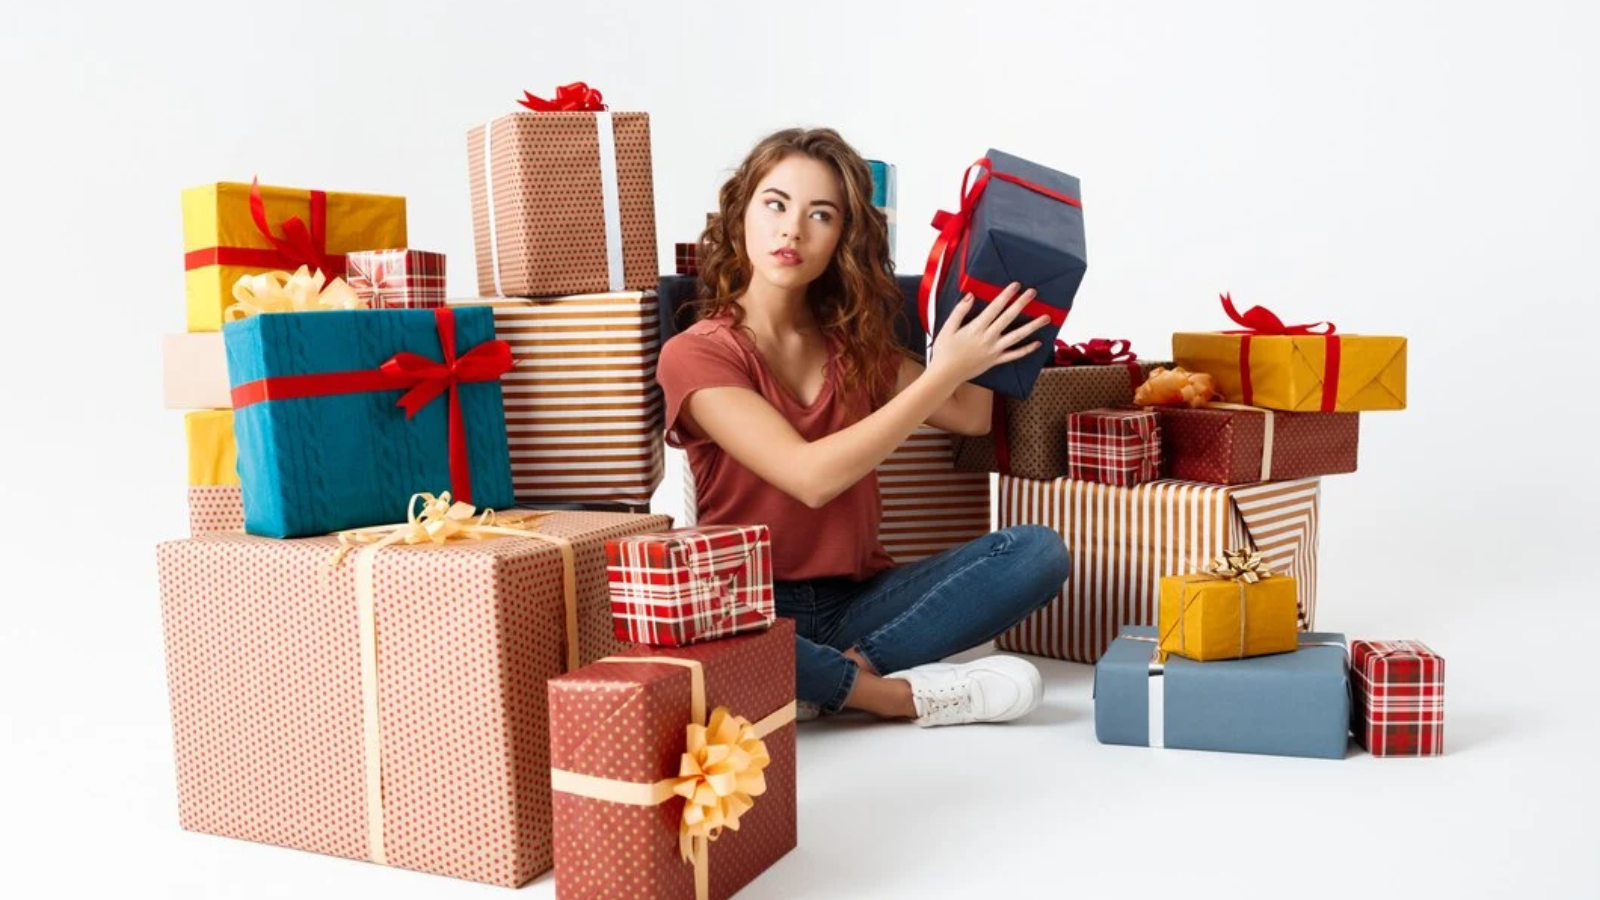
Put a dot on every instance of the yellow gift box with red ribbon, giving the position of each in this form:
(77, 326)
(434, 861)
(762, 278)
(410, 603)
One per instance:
(1234, 609)
(1297, 368)
(231, 230)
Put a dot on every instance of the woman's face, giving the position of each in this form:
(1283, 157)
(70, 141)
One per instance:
(793, 222)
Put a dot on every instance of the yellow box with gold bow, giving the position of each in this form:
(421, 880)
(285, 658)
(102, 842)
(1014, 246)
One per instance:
(230, 230)
(1234, 610)
(1297, 368)
(213, 458)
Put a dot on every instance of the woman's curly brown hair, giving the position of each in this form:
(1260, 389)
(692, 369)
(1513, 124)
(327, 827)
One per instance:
(855, 301)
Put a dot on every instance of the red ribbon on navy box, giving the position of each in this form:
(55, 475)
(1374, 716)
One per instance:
(955, 235)
(423, 380)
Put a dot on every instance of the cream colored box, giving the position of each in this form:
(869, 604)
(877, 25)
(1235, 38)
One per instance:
(194, 371)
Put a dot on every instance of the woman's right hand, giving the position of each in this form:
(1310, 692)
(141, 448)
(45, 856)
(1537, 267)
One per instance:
(964, 350)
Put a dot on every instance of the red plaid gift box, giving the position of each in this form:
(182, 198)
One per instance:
(397, 279)
(1399, 698)
(688, 585)
(688, 259)
(1120, 447)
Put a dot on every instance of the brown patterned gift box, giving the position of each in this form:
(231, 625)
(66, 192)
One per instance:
(619, 730)
(583, 410)
(1036, 427)
(563, 203)
(1124, 540)
(265, 665)
(688, 258)
(1230, 444)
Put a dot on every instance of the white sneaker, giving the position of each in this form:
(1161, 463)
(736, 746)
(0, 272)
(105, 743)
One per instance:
(805, 712)
(992, 689)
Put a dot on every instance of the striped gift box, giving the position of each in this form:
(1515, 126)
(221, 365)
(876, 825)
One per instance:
(928, 506)
(1114, 446)
(583, 411)
(1125, 540)
(397, 279)
(680, 587)
(1399, 698)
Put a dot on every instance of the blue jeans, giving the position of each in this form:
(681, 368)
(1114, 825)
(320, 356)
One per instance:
(918, 613)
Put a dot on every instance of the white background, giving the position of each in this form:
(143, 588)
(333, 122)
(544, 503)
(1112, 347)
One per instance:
(1427, 169)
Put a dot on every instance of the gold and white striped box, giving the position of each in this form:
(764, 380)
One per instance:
(583, 410)
(1125, 540)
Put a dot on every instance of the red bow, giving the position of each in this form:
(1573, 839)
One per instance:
(1258, 320)
(955, 234)
(302, 244)
(1094, 352)
(424, 379)
(574, 97)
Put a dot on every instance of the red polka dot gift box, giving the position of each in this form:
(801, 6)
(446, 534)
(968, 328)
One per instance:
(390, 706)
(674, 768)
(1226, 443)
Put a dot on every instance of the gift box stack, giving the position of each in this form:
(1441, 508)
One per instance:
(402, 619)
(1187, 492)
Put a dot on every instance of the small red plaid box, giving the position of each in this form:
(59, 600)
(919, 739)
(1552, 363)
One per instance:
(1114, 446)
(688, 585)
(397, 279)
(1399, 698)
(688, 259)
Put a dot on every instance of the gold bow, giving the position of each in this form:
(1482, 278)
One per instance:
(278, 291)
(720, 772)
(437, 521)
(1245, 565)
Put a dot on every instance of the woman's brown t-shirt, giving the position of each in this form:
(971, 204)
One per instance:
(841, 538)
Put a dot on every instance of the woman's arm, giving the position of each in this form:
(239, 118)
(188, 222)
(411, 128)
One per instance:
(969, 411)
(750, 430)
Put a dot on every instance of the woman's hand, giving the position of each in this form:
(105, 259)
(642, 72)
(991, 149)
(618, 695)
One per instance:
(964, 350)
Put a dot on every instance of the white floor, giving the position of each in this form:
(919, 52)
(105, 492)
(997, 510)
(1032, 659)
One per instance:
(1036, 808)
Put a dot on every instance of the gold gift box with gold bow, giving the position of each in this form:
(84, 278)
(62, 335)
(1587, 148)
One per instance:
(1233, 610)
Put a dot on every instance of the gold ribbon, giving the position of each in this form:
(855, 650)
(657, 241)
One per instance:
(1244, 567)
(720, 772)
(437, 522)
(1266, 435)
(279, 291)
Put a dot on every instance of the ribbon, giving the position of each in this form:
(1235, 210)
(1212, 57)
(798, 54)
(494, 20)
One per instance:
(719, 774)
(1175, 387)
(422, 378)
(574, 97)
(278, 291)
(302, 244)
(1244, 567)
(1094, 352)
(437, 522)
(1258, 320)
(955, 236)
(1267, 432)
